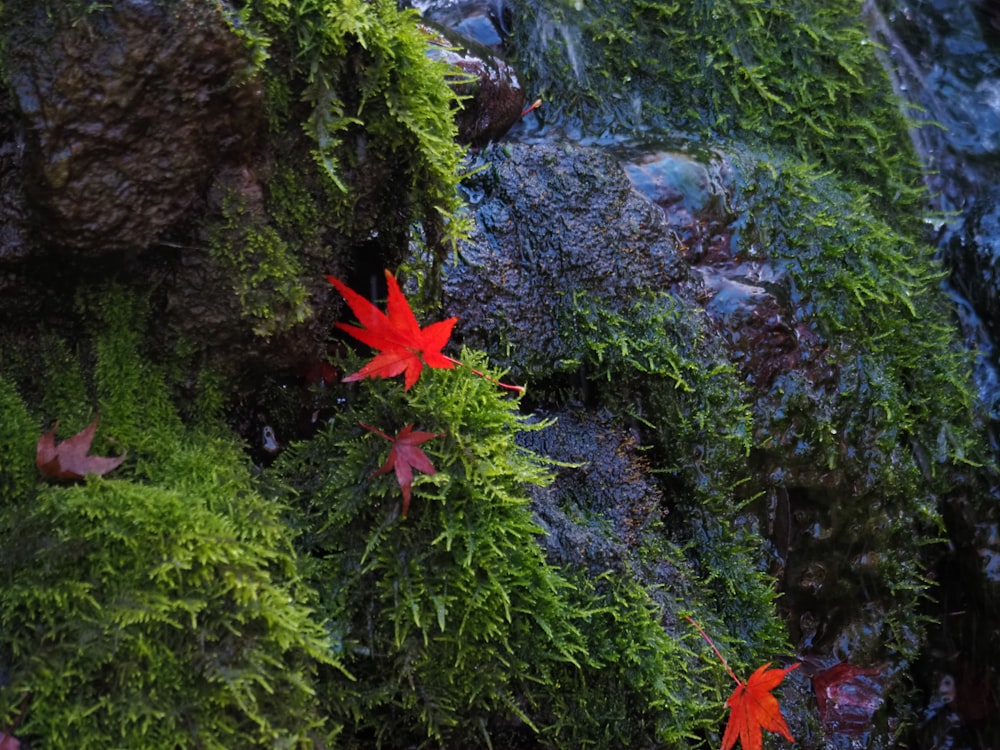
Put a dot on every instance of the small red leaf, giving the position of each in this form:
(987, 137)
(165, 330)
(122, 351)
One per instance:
(848, 697)
(753, 708)
(405, 456)
(69, 459)
(9, 742)
(402, 345)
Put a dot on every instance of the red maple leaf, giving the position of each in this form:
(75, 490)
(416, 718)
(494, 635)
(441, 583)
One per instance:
(69, 459)
(405, 456)
(753, 708)
(403, 346)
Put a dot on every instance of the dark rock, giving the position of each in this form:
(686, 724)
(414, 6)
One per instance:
(492, 96)
(556, 227)
(600, 507)
(129, 109)
(13, 209)
(974, 257)
(483, 22)
(604, 510)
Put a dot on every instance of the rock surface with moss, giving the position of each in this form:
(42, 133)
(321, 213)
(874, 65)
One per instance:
(761, 391)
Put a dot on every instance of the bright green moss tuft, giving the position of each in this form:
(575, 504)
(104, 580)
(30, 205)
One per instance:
(801, 75)
(160, 608)
(379, 110)
(456, 628)
(18, 436)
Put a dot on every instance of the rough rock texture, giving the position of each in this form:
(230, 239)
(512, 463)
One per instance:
(131, 148)
(553, 222)
(129, 110)
(745, 296)
(974, 256)
(13, 211)
(603, 503)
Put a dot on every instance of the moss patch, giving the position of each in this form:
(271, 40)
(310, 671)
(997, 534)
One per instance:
(456, 627)
(161, 608)
(378, 109)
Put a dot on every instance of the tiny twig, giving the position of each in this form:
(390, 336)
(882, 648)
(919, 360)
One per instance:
(377, 431)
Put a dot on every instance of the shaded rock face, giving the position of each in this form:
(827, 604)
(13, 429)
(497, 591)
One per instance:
(608, 480)
(974, 255)
(13, 210)
(553, 223)
(128, 110)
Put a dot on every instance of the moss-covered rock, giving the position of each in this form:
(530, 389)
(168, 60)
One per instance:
(456, 627)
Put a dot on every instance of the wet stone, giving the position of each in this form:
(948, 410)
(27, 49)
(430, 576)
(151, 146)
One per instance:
(129, 108)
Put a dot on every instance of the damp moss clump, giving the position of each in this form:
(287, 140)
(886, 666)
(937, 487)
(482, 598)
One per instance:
(655, 361)
(160, 606)
(799, 74)
(265, 270)
(905, 378)
(379, 111)
(455, 627)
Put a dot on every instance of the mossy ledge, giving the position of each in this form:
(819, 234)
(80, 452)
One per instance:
(185, 602)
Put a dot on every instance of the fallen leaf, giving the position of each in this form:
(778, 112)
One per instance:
(848, 697)
(405, 456)
(753, 708)
(403, 346)
(69, 459)
(751, 705)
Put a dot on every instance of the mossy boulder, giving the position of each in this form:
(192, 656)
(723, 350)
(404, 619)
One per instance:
(769, 336)
(225, 174)
(458, 627)
(128, 111)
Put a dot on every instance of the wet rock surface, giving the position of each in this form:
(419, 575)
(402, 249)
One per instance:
(557, 227)
(492, 95)
(603, 504)
(974, 256)
(557, 218)
(13, 209)
(128, 110)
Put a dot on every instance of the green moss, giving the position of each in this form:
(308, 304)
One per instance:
(657, 362)
(905, 379)
(265, 270)
(161, 608)
(379, 108)
(18, 436)
(455, 626)
(800, 74)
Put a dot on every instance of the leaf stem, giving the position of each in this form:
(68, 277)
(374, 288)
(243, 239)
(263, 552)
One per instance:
(484, 376)
(711, 643)
(376, 430)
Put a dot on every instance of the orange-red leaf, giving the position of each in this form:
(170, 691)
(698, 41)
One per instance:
(402, 345)
(69, 459)
(753, 708)
(405, 456)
